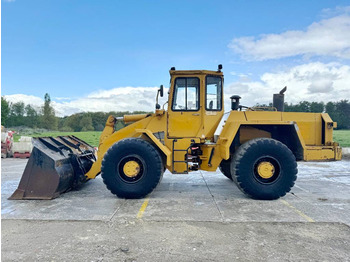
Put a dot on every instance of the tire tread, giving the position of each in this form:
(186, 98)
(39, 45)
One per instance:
(244, 149)
(150, 149)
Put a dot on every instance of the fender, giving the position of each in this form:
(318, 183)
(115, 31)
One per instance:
(237, 119)
(156, 141)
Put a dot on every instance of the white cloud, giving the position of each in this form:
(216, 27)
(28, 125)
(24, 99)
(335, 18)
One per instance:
(35, 101)
(329, 37)
(311, 82)
(116, 99)
(339, 10)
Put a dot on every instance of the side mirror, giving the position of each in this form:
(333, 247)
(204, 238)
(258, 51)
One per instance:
(161, 91)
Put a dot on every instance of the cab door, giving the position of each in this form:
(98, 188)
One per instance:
(184, 113)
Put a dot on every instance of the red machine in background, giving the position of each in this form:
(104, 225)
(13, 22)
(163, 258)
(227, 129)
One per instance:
(6, 143)
(21, 149)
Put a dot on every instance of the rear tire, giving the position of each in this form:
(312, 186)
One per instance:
(132, 168)
(225, 168)
(264, 168)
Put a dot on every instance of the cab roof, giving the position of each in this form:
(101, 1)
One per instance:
(195, 72)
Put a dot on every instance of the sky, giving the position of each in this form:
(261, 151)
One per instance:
(112, 55)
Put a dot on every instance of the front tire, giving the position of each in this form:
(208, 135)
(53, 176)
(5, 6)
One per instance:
(132, 168)
(264, 168)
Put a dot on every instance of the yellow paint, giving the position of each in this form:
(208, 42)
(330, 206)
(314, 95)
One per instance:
(184, 124)
(309, 124)
(142, 209)
(297, 211)
(131, 168)
(159, 145)
(134, 118)
(313, 131)
(260, 116)
(215, 162)
(109, 129)
(328, 126)
(249, 132)
(313, 153)
(200, 123)
(266, 170)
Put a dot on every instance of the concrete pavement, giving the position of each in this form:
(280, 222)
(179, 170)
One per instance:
(198, 217)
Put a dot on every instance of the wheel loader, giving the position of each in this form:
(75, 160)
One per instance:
(257, 148)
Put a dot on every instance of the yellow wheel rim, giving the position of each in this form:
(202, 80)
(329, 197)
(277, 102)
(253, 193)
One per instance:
(266, 170)
(131, 168)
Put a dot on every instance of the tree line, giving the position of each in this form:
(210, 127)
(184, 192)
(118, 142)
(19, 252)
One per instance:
(20, 114)
(338, 111)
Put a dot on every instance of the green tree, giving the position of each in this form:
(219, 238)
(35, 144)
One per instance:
(288, 107)
(340, 113)
(86, 123)
(303, 106)
(18, 109)
(48, 120)
(5, 111)
(316, 107)
(98, 120)
(73, 122)
(16, 117)
(32, 117)
(343, 109)
(330, 108)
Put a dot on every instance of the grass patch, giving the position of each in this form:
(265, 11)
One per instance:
(16, 137)
(90, 137)
(342, 137)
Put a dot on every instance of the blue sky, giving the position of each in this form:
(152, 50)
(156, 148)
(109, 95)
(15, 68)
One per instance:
(111, 55)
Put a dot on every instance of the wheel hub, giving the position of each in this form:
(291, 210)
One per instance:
(131, 169)
(266, 170)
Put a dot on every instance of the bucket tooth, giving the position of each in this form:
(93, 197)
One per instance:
(55, 166)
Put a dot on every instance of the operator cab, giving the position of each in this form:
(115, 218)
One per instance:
(195, 103)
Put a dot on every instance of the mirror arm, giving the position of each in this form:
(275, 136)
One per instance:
(159, 92)
(157, 105)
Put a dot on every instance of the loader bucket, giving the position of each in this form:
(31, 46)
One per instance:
(55, 166)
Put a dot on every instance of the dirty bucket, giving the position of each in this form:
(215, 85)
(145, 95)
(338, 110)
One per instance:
(55, 166)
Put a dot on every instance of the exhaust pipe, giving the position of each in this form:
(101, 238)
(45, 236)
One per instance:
(235, 102)
(278, 100)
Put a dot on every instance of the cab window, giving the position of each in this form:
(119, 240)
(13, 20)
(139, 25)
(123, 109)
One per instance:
(213, 95)
(186, 94)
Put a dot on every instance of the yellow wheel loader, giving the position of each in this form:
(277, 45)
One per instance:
(255, 147)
